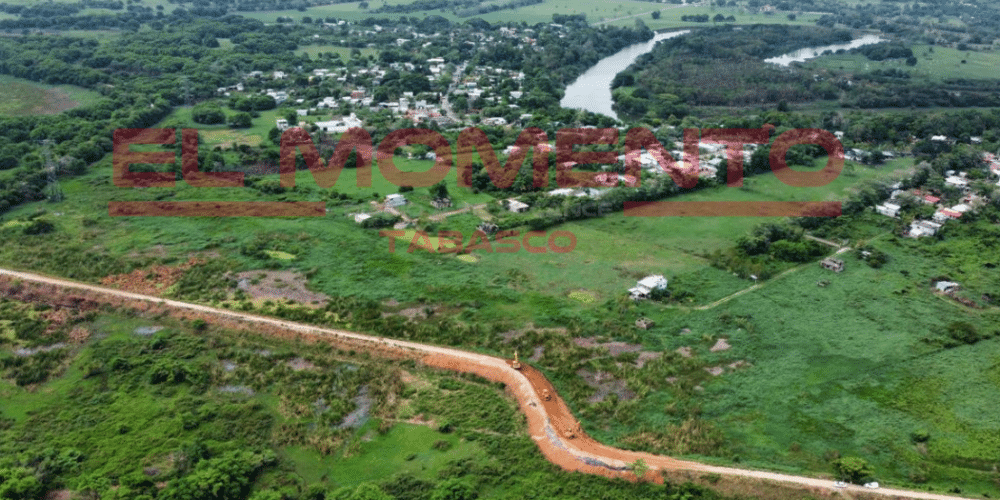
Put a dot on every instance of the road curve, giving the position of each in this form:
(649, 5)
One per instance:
(550, 422)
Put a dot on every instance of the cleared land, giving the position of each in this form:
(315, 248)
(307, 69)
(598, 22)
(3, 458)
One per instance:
(24, 97)
(934, 63)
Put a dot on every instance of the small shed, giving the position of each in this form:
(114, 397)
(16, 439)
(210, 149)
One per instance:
(835, 265)
(517, 206)
(395, 200)
(440, 203)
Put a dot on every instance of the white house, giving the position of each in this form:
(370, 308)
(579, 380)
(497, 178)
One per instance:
(957, 182)
(946, 286)
(282, 124)
(888, 209)
(340, 126)
(517, 206)
(923, 228)
(395, 200)
(645, 286)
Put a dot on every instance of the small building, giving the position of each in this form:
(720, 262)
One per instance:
(517, 206)
(644, 323)
(440, 203)
(360, 218)
(488, 227)
(644, 287)
(888, 209)
(282, 124)
(922, 228)
(395, 200)
(947, 287)
(957, 182)
(835, 265)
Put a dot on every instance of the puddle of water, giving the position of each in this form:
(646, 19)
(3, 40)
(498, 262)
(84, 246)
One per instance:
(25, 351)
(359, 416)
(146, 331)
(237, 389)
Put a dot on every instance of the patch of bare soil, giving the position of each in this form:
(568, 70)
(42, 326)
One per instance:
(413, 313)
(614, 348)
(647, 356)
(59, 495)
(606, 384)
(278, 285)
(79, 335)
(715, 370)
(536, 354)
(739, 364)
(720, 345)
(151, 281)
(513, 334)
(153, 251)
(299, 364)
(684, 351)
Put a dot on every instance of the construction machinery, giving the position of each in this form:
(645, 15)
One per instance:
(516, 364)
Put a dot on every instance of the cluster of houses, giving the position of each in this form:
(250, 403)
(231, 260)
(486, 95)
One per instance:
(943, 213)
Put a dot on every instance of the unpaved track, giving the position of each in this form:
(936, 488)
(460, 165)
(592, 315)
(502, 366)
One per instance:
(547, 420)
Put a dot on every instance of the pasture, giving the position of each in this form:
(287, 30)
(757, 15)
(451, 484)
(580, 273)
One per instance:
(934, 63)
(24, 97)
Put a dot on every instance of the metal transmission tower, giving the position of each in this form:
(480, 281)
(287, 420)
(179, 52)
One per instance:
(55, 191)
(186, 85)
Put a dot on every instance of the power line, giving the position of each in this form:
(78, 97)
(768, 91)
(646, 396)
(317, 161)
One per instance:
(55, 192)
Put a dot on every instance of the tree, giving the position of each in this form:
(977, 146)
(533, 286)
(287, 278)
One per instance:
(208, 115)
(439, 190)
(19, 483)
(454, 489)
(640, 468)
(852, 469)
(241, 120)
(656, 14)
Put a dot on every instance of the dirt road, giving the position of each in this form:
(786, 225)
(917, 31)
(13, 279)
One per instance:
(550, 422)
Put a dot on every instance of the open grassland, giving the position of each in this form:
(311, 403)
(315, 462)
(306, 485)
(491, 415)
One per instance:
(934, 63)
(24, 97)
(844, 370)
(670, 17)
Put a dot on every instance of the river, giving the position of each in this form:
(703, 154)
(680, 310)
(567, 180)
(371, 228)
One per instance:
(592, 90)
(809, 53)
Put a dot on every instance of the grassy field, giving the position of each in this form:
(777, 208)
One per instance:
(24, 97)
(842, 370)
(620, 12)
(405, 449)
(934, 63)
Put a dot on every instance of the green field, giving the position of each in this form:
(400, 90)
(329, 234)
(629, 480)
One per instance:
(934, 63)
(620, 12)
(24, 97)
(842, 369)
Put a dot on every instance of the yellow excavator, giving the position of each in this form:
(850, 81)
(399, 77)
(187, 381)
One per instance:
(516, 364)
